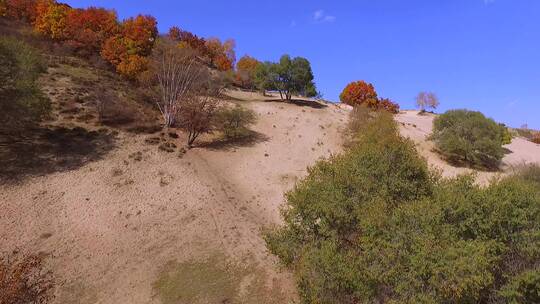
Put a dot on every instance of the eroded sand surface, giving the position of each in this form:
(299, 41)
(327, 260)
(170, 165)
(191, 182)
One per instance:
(142, 225)
(113, 227)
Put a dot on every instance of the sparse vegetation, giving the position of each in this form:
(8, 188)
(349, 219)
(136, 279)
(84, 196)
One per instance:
(468, 138)
(214, 280)
(23, 280)
(373, 225)
(21, 100)
(234, 122)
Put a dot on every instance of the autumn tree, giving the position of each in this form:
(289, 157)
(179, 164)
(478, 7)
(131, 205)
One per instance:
(246, 68)
(128, 50)
(427, 100)
(187, 39)
(24, 10)
(359, 93)
(88, 29)
(388, 105)
(222, 55)
(51, 18)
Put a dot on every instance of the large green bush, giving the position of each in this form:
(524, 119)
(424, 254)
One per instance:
(374, 226)
(469, 138)
(21, 101)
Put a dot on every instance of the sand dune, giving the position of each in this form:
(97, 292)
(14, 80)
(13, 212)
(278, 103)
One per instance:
(112, 226)
(120, 228)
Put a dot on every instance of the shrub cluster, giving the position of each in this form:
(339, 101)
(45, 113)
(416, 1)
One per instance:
(361, 93)
(374, 226)
(469, 138)
(234, 122)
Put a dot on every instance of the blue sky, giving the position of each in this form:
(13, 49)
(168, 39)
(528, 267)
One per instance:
(476, 54)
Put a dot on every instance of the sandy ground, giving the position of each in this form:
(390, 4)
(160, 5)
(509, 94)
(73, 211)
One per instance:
(111, 227)
(418, 127)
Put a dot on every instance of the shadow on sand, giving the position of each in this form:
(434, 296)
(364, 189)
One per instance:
(223, 144)
(43, 151)
(302, 103)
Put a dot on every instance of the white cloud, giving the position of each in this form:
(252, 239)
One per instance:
(293, 23)
(487, 2)
(329, 18)
(321, 16)
(318, 15)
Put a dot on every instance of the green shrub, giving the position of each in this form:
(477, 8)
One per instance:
(374, 226)
(234, 122)
(506, 135)
(468, 138)
(21, 101)
(524, 288)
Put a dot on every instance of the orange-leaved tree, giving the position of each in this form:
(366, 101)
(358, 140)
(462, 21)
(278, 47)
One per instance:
(221, 54)
(128, 50)
(246, 68)
(50, 19)
(88, 29)
(360, 93)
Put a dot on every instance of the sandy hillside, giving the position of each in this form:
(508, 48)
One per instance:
(140, 225)
(418, 127)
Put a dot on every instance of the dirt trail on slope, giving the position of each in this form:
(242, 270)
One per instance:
(137, 225)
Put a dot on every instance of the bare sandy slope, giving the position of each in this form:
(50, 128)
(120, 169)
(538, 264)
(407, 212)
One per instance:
(418, 127)
(113, 227)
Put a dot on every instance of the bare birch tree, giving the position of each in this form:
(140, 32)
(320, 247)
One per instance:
(178, 74)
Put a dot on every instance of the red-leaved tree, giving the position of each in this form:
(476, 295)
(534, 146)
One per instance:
(88, 29)
(360, 93)
(23, 10)
(187, 39)
(388, 105)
